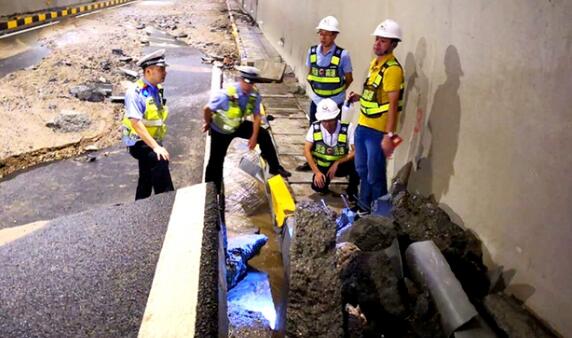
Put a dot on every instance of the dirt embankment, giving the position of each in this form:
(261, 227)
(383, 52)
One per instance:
(81, 51)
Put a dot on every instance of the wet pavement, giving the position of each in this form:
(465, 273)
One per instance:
(73, 185)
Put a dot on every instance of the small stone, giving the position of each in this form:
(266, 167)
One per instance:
(105, 65)
(182, 35)
(117, 51)
(140, 26)
(125, 58)
(91, 147)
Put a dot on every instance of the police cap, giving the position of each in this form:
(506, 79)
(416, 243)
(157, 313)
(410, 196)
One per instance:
(249, 74)
(157, 58)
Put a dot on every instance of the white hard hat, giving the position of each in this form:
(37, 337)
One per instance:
(329, 24)
(388, 29)
(327, 109)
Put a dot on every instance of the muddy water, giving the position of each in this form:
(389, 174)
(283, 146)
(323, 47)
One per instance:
(270, 261)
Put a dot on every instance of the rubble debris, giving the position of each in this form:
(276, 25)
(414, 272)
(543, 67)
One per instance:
(87, 92)
(140, 26)
(91, 148)
(372, 233)
(105, 65)
(182, 35)
(369, 280)
(70, 121)
(125, 59)
(129, 72)
(513, 318)
(239, 251)
(314, 300)
(344, 253)
(420, 219)
(357, 321)
(117, 99)
(92, 92)
(117, 51)
(401, 180)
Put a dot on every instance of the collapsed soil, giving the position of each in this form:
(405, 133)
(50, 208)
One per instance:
(80, 52)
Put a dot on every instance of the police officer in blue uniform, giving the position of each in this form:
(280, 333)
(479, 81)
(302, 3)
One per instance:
(144, 126)
(225, 118)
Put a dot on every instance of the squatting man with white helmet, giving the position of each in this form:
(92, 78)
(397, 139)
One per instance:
(329, 149)
(329, 69)
(380, 103)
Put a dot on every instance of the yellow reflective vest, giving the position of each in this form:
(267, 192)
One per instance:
(371, 104)
(326, 81)
(229, 120)
(154, 117)
(325, 155)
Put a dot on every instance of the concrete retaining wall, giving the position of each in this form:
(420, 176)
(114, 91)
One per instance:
(8, 7)
(487, 112)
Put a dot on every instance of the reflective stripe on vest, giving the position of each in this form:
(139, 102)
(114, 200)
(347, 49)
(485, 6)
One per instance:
(326, 81)
(229, 120)
(325, 155)
(370, 105)
(154, 117)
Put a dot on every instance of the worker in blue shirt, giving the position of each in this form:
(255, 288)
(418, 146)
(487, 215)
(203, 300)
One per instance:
(225, 118)
(144, 126)
(329, 70)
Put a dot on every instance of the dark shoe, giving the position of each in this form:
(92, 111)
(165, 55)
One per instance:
(280, 171)
(303, 167)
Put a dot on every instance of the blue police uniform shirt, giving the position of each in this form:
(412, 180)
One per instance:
(220, 101)
(135, 104)
(323, 61)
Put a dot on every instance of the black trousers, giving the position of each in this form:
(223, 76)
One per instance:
(219, 146)
(313, 108)
(344, 169)
(153, 174)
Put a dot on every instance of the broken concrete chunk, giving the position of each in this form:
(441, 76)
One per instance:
(420, 218)
(91, 147)
(314, 299)
(117, 99)
(129, 72)
(372, 233)
(70, 121)
(87, 93)
(105, 65)
(125, 58)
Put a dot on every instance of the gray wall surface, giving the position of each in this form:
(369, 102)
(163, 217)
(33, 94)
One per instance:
(488, 115)
(10, 7)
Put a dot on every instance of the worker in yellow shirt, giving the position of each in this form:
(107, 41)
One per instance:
(380, 103)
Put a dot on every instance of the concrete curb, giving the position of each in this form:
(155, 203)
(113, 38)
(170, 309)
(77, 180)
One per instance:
(188, 294)
(47, 16)
(237, 39)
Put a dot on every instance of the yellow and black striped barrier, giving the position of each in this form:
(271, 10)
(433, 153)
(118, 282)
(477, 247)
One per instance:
(12, 25)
